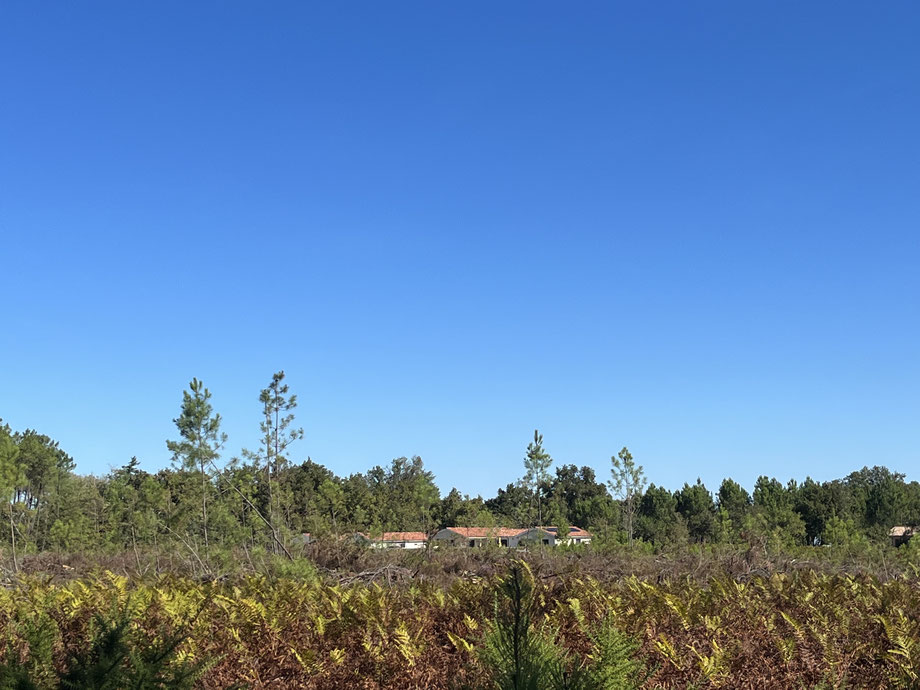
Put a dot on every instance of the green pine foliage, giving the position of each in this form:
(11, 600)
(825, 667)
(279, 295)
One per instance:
(114, 659)
(522, 655)
(115, 662)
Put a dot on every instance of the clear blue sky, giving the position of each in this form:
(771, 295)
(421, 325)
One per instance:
(689, 228)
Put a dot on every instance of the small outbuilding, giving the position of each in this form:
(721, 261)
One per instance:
(902, 534)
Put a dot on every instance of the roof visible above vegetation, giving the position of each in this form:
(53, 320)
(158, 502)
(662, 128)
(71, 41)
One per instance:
(485, 532)
(402, 536)
(575, 532)
(504, 532)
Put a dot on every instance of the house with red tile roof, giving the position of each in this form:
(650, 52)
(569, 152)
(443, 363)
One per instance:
(394, 540)
(549, 536)
(473, 537)
(476, 536)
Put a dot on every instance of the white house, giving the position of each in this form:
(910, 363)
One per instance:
(473, 537)
(549, 536)
(394, 540)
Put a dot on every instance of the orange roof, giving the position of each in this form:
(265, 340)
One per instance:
(403, 536)
(573, 531)
(485, 532)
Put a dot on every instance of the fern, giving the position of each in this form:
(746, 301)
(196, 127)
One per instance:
(614, 664)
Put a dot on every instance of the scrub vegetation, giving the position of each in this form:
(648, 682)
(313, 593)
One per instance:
(534, 620)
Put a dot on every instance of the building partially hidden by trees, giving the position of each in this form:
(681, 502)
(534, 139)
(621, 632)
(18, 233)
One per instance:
(393, 540)
(902, 534)
(473, 537)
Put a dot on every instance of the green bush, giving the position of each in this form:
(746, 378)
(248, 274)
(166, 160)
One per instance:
(113, 660)
(523, 656)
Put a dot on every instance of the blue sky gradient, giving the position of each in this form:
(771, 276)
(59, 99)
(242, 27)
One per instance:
(689, 228)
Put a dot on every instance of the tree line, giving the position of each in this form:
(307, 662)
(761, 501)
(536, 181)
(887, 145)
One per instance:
(262, 498)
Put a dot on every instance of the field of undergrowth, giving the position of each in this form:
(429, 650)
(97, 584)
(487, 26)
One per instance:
(400, 622)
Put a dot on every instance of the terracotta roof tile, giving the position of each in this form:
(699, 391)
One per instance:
(402, 536)
(573, 531)
(485, 532)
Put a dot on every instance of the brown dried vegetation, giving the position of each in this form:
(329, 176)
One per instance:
(393, 622)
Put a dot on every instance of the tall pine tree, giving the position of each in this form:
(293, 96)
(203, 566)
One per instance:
(536, 464)
(277, 436)
(627, 483)
(200, 441)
